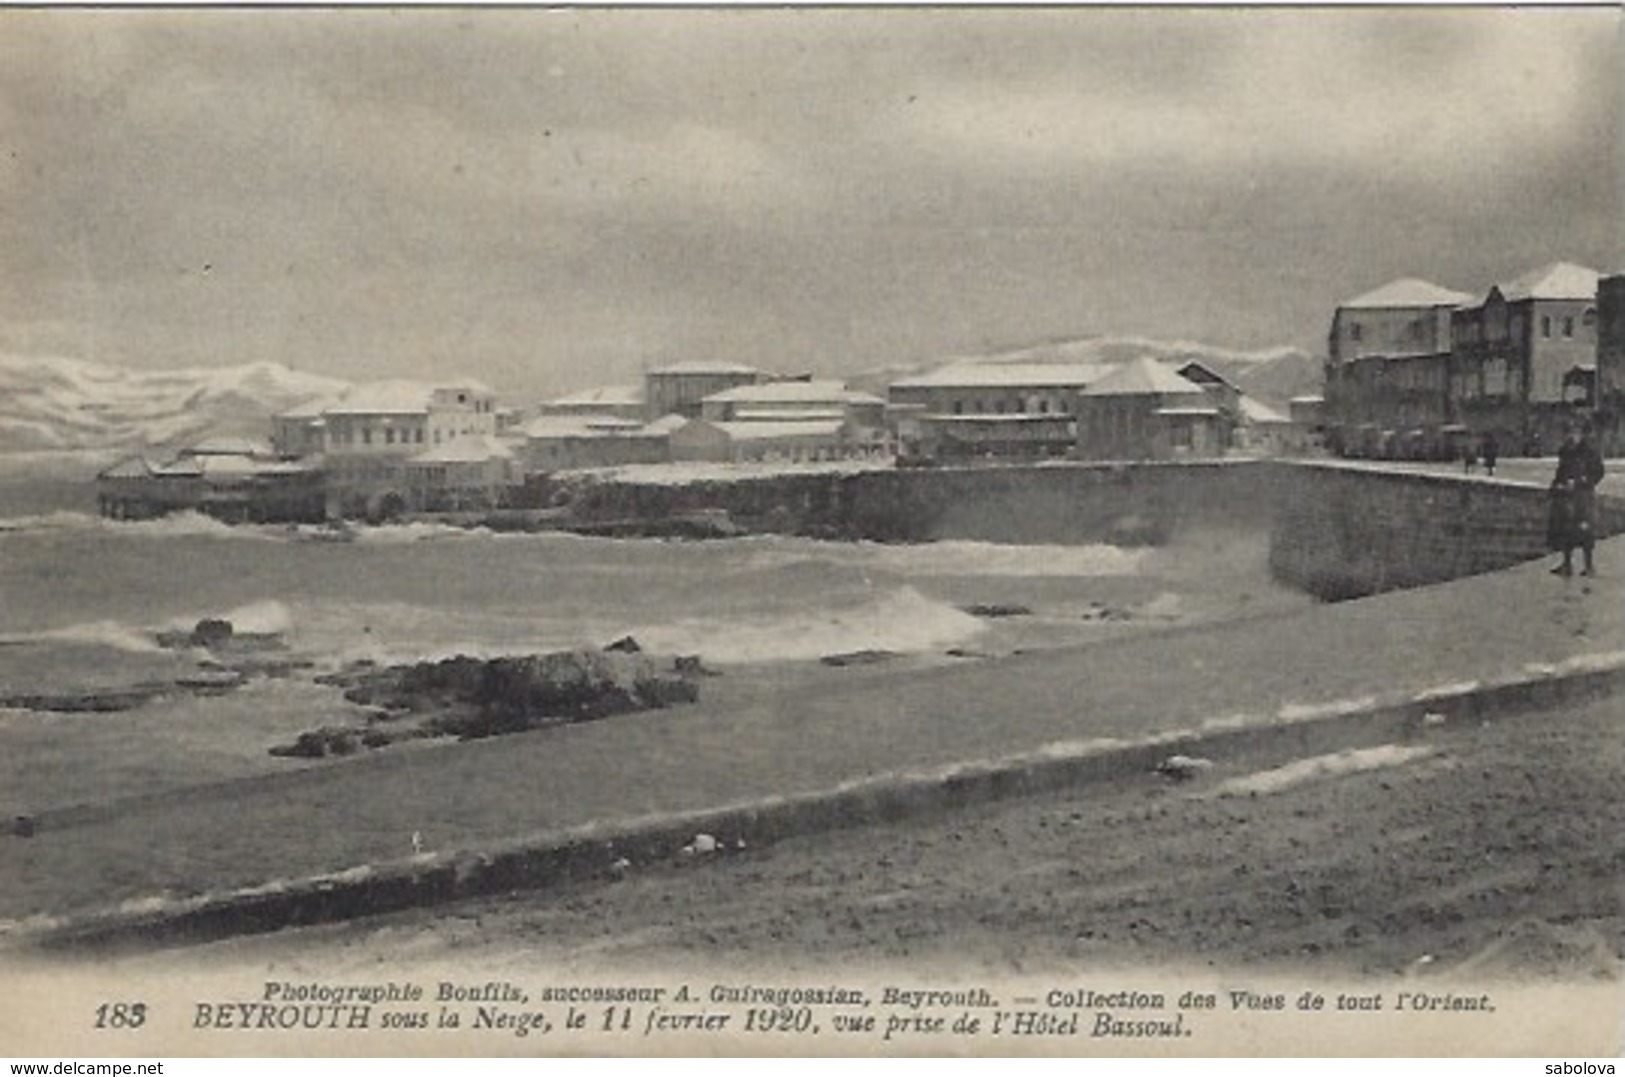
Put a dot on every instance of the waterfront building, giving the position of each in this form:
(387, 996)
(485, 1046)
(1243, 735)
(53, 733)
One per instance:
(1610, 392)
(987, 410)
(374, 429)
(615, 401)
(1524, 357)
(1145, 411)
(781, 401)
(567, 442)
(467, 472)
(300, 431)
(231, 479)
(788, 440)
(1389, 361)
(680, 387)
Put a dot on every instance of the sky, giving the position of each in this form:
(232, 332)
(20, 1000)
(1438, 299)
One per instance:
(550, 200)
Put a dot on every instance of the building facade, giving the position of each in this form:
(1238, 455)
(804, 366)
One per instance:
(370, 434)
(970, 410)
(1524, 357)
(566, 442)
(1389, 363)
(616, 401)
(1145, 411)
(680, 388)
(236, 482)
(1610, 386)
(777, 401)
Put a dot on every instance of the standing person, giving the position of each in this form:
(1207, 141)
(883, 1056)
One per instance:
(1491, 452)
(1571, 521)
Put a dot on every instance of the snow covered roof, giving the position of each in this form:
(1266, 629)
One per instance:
(667, 423)
(384, 398)
(310, 409)
(581, 426)
(820, 428)
(970, 375)
(223, 446)
(225, 466)
(995, 419)
(701, 366)
(756, 415)
(1407, 292)
(476, 449)
(602, 396)
(131, 467)
(1191, 412)
(1141, 377)
(1559, 280)
(1256, 411)
(793, 392)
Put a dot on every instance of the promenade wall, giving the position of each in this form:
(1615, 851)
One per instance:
(1334, 530)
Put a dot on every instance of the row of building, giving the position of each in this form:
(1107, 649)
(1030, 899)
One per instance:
(1413, 368)
(388, 448)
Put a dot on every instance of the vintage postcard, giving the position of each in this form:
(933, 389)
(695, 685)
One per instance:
(834, 531)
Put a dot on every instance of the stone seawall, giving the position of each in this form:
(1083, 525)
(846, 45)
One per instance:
(1335, 530)
(1340, 531)
(1059, 504)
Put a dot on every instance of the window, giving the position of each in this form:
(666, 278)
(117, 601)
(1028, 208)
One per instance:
(1568, 326)
(1546, 326)
(1590, 316)
(366, 436)
(389, 436)
(998, 406)
(1354, 331)
(959, 407)
(1043, 407)
(417, 435)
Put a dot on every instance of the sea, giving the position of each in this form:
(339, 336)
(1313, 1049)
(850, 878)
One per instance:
(79, 595)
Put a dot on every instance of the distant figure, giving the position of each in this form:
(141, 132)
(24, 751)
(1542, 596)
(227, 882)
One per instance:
(1469, 457)
(1491, 452)
(1571, 520)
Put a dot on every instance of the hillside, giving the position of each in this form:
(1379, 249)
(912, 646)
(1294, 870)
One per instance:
(53, 404)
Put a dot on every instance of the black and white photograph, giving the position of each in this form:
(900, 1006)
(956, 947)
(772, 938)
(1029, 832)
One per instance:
(832, 531)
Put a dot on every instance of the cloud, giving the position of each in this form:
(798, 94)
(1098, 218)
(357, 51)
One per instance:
(542, 195)
(1433, 93)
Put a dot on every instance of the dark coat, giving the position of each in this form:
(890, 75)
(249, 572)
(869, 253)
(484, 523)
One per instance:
(1571, 520)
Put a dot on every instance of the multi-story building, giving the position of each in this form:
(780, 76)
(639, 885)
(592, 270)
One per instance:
(678, 389)
(368, 436)
(1610, 388)
(787, 401)
(616, 401)
(1524, 357)
(1388, 368)
(1000, 410)
(1145, 411)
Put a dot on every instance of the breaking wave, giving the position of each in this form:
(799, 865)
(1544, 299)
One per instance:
(902, 620)
(112, 634)
(176, 525)
(961, 558)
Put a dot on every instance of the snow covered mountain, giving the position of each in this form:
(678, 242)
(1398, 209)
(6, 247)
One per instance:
(52, 404)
